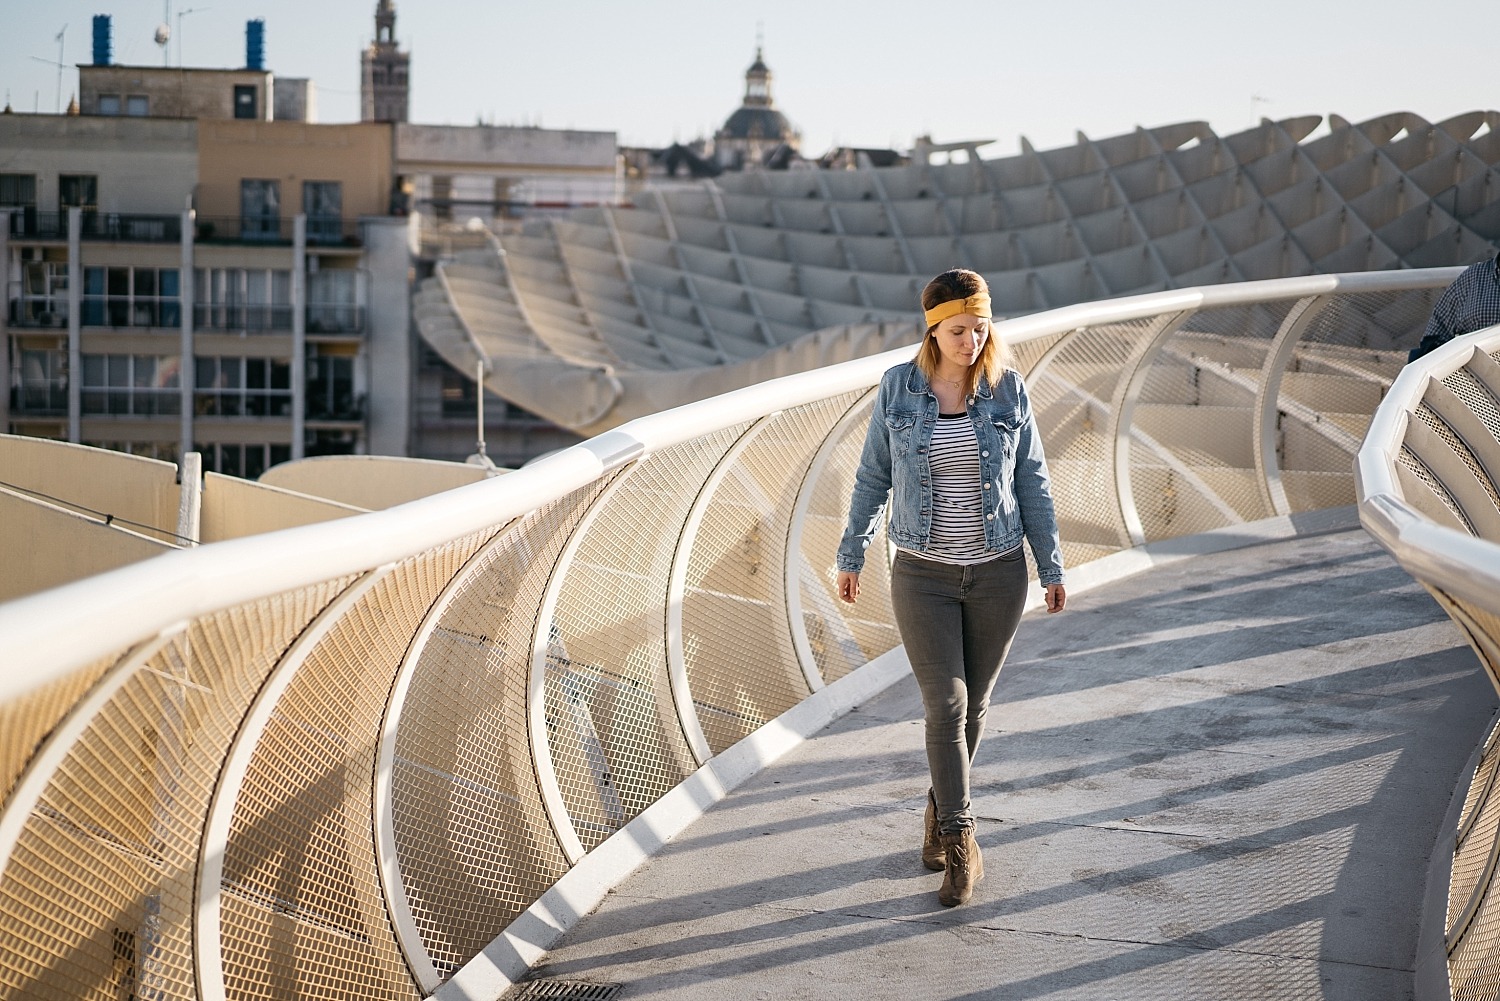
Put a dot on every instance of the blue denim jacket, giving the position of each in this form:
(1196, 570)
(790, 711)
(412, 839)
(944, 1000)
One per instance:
(1018, 492)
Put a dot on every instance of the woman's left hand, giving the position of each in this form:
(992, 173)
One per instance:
(1057, 597)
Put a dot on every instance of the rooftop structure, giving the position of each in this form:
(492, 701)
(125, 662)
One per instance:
(615, 312)
(384, 72)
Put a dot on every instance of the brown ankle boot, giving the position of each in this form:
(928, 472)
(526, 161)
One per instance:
(933, 856)
(965, 868)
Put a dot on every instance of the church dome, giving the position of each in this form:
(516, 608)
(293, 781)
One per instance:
(757, 123)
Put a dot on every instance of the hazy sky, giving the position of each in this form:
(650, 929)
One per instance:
(872, 73)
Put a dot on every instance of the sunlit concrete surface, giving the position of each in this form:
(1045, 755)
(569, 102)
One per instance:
(1219, 779)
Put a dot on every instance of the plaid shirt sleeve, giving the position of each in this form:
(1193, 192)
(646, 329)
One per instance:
(1471, 303)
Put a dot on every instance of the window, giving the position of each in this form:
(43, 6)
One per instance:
(242, 387)
(334, 296)
(244, 101)
(44, 295)
(18, 192)
(323, 202)
(137, 105)
(109, 104)
(81, 190)
(260, 209)
(131, 297)
(248, 461)
(137, 385)
(243, 299)
(42, 382)
(330, 388)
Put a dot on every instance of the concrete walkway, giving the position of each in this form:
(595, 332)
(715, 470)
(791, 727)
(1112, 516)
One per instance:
(1219, 779)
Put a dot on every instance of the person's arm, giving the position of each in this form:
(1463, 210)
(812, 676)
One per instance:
(1033, 487)
(872, 486)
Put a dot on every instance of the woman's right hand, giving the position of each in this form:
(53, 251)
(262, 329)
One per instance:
(848, 585)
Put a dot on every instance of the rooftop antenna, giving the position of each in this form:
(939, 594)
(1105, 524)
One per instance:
(60, 35)
(180, 15)
(1254, 100)
(58, 62)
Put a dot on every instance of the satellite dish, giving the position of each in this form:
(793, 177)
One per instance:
(163, 34)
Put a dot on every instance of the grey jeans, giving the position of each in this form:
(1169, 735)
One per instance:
(957, 623)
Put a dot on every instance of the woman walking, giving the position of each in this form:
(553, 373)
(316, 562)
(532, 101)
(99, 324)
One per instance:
(953, 442)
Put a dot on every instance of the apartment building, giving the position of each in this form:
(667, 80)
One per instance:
(248, 247)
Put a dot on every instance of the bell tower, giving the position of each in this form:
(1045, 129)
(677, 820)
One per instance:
(384, 80)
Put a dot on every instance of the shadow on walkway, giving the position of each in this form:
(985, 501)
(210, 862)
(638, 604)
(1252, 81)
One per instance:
(1219, 779)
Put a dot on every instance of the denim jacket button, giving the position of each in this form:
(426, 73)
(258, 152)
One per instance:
(989, 517)
(986, 484)
(985, 454)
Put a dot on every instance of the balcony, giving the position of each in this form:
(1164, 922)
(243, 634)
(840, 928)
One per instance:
(243, 319)
(43, 312)
(108, 227)
(326, 318)
(39, 399)
(29, 223)
(277, 230)
(118, 312)
(334, 407)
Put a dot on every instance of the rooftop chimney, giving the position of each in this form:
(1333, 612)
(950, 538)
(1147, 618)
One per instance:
(255, 44)
(101, 40)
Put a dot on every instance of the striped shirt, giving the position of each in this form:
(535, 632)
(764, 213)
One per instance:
(957, 496)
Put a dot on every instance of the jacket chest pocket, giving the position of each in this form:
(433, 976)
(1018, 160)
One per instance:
(902, 429)
(1007, 428)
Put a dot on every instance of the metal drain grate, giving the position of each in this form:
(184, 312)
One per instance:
(561, 990)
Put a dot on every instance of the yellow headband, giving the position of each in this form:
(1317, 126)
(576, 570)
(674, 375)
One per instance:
(977, 304)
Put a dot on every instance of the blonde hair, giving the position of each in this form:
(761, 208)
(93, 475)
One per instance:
(960, 283)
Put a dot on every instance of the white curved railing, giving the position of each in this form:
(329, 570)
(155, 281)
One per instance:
(1429, 492)
(387, 756)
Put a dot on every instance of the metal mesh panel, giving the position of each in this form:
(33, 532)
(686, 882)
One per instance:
(26, 722)
(1192, 448)
(1471, 857)
(473, 839)
(737, 645)
(1478, 399)
(843, 637)
(1474, 966)
(1484, 774)
(312, 922)
(1024, 356)
(97, 897)
(1070, 397)
(1419, 469)
(1487, 646)
(613, 731)
(1347, 358)
(1440, 427)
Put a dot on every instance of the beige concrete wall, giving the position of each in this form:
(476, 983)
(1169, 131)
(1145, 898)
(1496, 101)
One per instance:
(131, 488)
(47, 546)
(234, 508)
(423, 148)
(374, 482)
(146, 166)
(358, 156)
(175, 92)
